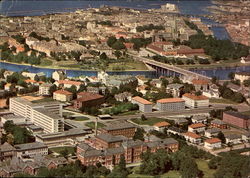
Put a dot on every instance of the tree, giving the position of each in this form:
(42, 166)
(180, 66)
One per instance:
(103, 56)
(231, 75)
(118, 45)
(189, 168)
(164, 82)
(52, 89)
(246, 83)
(198, 93)
(139, 134)
(117, 54)
(120, 171)
(143, 117)
(64, 152)
(221, 136)
(111, 40)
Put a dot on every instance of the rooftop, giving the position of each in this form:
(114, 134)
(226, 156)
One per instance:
(217, 122)
(170, 100)
(87, 96)
(68, 133)
(199, 82)
(110, 138)
(213, 130)
(49, 114)
(197, 125)
(192, 135)
(141, 100)
(194, 97)
(69, 82)
(162, 124)
(30, 146)
(119, 125)
(212, 140)
(63, 92)
(237, 114)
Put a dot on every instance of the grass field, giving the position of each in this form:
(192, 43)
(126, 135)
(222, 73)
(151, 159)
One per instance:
(46, 62)
(203, 166)
(222, 101)
(136, 65)
(92, 125)
(128, 113)
(150, 121)
(246, 113)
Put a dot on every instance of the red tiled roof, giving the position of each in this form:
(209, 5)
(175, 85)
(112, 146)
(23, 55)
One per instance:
(63, 92)
(190, 51)
(213, 140)
(192, 135)
(87, 96)
(194, 97)
(170, 100)
(199, 82)
(197, 125)
(155, 48)
(70, 82)
(141, 100)
(162, 124)
(162, 43)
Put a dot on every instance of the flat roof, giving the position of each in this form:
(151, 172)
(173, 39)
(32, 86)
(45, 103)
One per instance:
(68, 133)
(47, 113)
(30, 146)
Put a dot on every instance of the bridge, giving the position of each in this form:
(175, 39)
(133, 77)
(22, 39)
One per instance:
(171, 70)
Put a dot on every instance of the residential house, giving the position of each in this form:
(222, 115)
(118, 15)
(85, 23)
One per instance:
(31, 149)
(233, 139)
(175, 89)
(125, 96)
(68, 84)
(160, 126)
(62, 95)
(200, 84)
(212, 143)
(44, 89)
(199, 119)
(246, 137)
(197, 128)
(213, 132)
(7, 151)
(192, 137)
(59, 75)
(216, 123)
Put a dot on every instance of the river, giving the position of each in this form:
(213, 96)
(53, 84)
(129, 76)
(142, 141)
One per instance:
(36, 7)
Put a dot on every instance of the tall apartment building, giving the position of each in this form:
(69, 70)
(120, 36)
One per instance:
(144, 105)
(170, 104)
(47, 115)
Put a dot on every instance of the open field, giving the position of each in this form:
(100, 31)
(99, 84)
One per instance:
(221, 100)
(92, 125)
(150, 121)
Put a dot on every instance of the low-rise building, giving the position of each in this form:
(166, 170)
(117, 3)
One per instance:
(144, 105)
(62, 95)
(193, 101)
(218, 124)
(44, 89)
(58, 75)
(86, 99)
(124, 128)
(160, 126)
(125, 96)
(31, 149)
(242, 76)
(233, 139)
(212, 132)
(197, 128)
(237, 119)
(199, 119)
(68, 84)
(246, 137)
(200, 84)
(105, 140)
(7, 151)
(175, 89)
(192, 137)
(170, 104)
(212, 143)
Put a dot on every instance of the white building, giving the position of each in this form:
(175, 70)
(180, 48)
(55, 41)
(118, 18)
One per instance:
(241, 76)
(212, 132)
(44, 89)
(47, 115)
(197, 128)
(31, 149)
(233, 139)
(192, 137)
(170, 104)
(62, 95)
(193, 101)
(212, 143)
(144, 105)
(199, 119)
(59, 75)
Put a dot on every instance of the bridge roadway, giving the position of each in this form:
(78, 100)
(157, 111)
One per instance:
(179, 70)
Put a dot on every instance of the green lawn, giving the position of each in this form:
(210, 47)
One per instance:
(71, 150)
(46, 62)
(67, 114)
(150, 121)
(222, 101)
(171, 174)
(82, 118)
(92, 125)
(135, 65)
(203, 166)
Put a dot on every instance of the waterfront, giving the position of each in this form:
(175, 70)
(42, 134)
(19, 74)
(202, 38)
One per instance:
(220, 73)
(36, 8)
